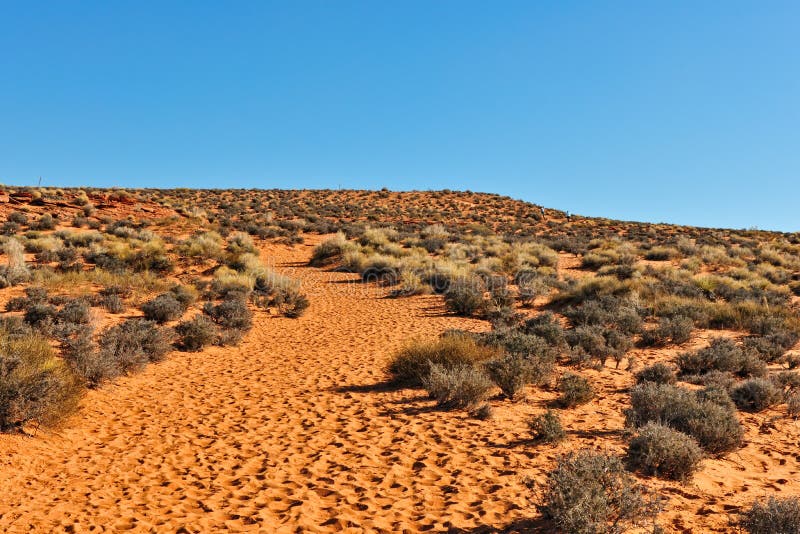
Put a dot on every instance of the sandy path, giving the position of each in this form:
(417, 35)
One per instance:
(261, 438)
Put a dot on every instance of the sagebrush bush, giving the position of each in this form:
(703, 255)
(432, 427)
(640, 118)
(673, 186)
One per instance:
(197, 333)
(512, 373)
(775, 515)
(714, 425)
(591, 493)
(35, 386)
(659, 373)
(130, 345)
(547, 428)
(162, 309)
(464, 297)
(546, 326)
(412, 363)
(230, 313)
(663, 452)
(458, 386)
(793, 405)
(755, 395)
(574, 390)
(723, 354)
(677, 330)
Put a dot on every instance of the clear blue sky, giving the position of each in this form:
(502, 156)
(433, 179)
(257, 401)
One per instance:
(676, 111)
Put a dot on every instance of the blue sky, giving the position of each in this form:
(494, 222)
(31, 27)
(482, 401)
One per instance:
(674, 111)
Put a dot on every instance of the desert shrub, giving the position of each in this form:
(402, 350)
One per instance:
(664, 452)
(793, 404)
(513, 372)
(196, 333)
(15, 271)
(45, 222)
(18, 217)
(458, 386)
(133, 343)
(86, 360)
(661, 254)
(291, 303)
(113, 303)
(776, 515)
(185, 295)
(720, 379)
(230, 337)
(574, 390)
(715, 426)
(381, 269)
(241, 243)
(230, 313)
(591, 493)
(39, 315)
(35, 386)
(206, 245)
(547, 428)
(163, 308)
(546, 326)
(412, 363)
(773, 343)
(530, 288)
(658, 373)
(464, 297)
(721, 355)
(677, 330)
(330, 250)
(75, 311)
(786, 381)
(755, 395)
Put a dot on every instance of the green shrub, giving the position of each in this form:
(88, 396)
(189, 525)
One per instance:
(547, 428)
(459, 386)
(591, 493)
(755, 395)
(575, 390)
(412, 363)
(663, 452)
(776, 515)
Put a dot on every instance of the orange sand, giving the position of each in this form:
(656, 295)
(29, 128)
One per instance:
(292, 432)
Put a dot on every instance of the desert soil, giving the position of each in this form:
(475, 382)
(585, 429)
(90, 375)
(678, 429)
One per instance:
(294, 431)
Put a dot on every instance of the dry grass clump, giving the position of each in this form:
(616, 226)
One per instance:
(412, 364)
(590, 493)
(35, 386)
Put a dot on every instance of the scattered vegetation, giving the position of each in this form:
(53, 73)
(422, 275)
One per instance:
(590, 492)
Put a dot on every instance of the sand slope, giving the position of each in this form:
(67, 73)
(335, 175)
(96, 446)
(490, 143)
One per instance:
(293, 432)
